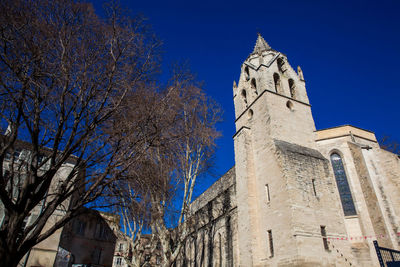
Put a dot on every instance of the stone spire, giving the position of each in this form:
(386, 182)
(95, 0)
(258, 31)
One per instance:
(261, 45)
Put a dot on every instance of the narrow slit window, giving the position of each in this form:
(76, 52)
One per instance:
(292, 88)
(313, 187)
(244, 96)
(277, 82)
(271, 243)
(324, 239)
(267, 193)
(281, 64)
(254, 86)
(246, 70)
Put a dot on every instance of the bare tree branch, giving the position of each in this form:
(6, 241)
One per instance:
(65, 73)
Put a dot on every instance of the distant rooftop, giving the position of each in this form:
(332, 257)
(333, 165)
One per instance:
(345, 130)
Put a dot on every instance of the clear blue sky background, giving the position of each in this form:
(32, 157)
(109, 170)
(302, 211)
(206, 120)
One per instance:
(348, 51)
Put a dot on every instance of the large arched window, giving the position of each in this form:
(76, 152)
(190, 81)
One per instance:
(343, 185)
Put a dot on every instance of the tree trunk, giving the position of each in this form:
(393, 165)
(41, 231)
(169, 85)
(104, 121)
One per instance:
(9, 259)
(11, 250)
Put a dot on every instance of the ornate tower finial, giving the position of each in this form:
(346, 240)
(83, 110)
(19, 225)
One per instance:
(261, 45)
(300, 73)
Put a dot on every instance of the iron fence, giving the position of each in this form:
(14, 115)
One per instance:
(387, 257)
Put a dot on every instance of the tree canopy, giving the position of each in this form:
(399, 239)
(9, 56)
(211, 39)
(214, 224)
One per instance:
(65, 72)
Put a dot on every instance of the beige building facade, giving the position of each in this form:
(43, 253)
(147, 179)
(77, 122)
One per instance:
(88, 240)
(296, 196)
(44, 253)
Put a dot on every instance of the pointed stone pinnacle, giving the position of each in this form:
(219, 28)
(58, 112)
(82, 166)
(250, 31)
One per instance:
(261, 45)
(300, 73)
(234, 84)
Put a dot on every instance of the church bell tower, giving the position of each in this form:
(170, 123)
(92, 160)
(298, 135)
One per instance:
(272, 91)
(283, 183)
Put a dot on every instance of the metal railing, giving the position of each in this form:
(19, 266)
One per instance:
(387, 257)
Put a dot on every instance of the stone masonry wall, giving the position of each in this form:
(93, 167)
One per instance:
(369, 193)
(313, 203)
(390, 163)
(213, 237)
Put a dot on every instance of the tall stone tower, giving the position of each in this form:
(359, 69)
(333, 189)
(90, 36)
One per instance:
(287, 203)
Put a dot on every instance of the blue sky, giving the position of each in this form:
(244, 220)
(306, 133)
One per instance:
(348, 50)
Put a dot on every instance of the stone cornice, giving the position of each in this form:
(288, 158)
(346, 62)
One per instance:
(266, 90)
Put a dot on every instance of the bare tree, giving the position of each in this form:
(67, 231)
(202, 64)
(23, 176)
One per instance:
(193, 154)
(389, 144)
(154, 118)
(64, 73)
(183, 129)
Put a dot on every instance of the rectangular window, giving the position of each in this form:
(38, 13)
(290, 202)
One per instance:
(80, 228)
(324, 239)
(40, 159)
(96, 255)
(313, 186)
(101, 231)
(271, 244)
(267, 193)
(16, 154)
(147, 257)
